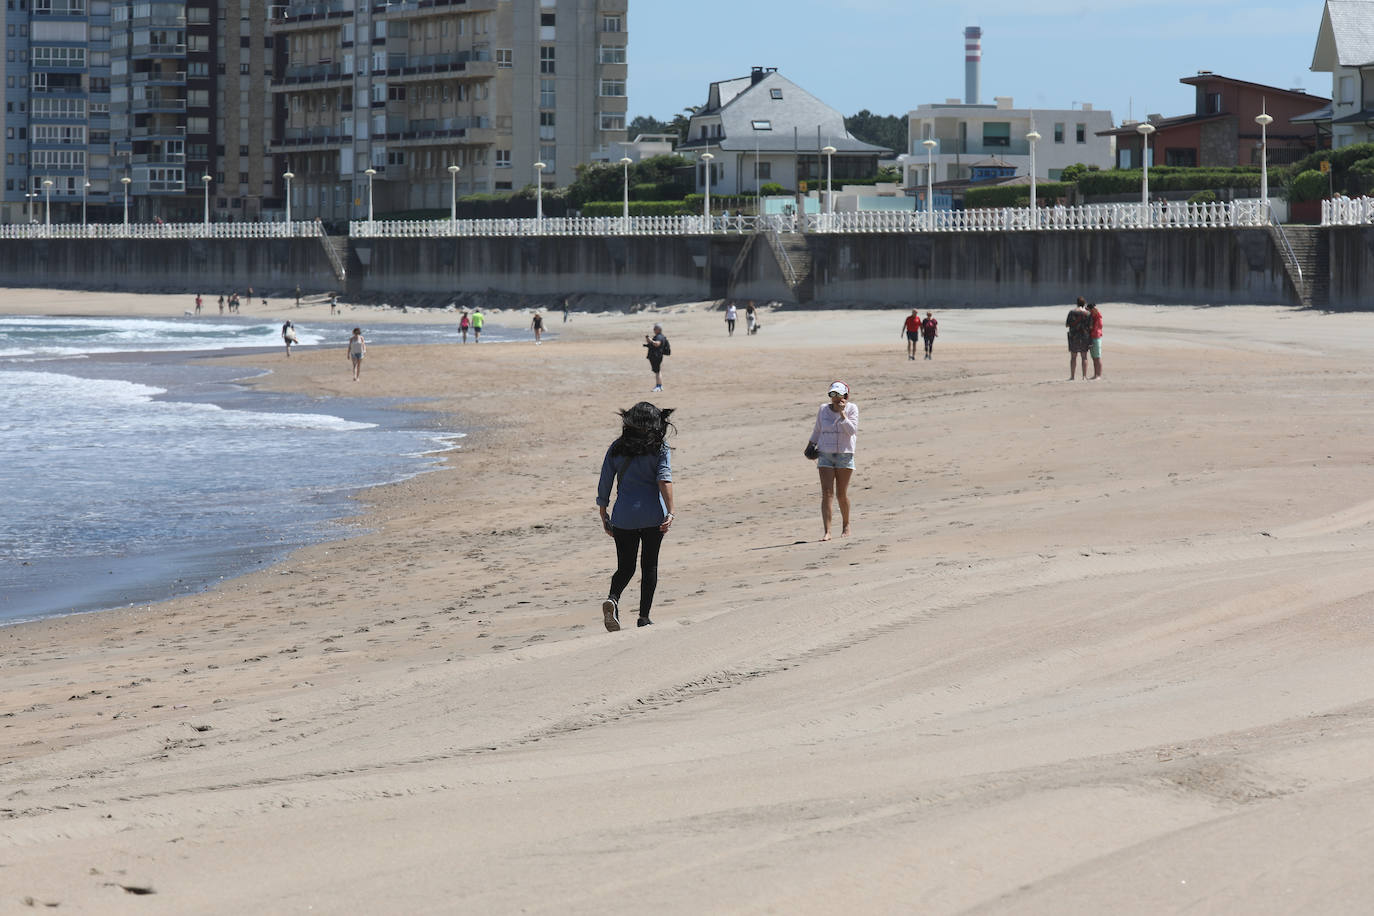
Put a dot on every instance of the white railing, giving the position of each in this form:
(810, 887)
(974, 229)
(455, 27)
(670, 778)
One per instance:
(245, 230)
(1160, 215)
(1348, 211)
(572, 225)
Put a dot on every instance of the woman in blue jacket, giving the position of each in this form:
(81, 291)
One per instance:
(643, 511)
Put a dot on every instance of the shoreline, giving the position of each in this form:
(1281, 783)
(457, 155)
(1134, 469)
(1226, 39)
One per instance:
(1134, 604)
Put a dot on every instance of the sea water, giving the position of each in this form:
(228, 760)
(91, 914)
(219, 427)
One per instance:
(133, 471)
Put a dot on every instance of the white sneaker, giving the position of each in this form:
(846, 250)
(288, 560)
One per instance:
(610, 615)
(656, 388)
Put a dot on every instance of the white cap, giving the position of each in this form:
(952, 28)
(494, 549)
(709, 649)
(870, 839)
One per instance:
(839, 388)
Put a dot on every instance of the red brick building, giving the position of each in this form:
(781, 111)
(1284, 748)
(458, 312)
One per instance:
(1222, 131)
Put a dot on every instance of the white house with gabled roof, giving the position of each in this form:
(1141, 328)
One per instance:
(764, 128)
(1345, 49)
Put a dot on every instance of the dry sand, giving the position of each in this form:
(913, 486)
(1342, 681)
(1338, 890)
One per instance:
(1093, 647)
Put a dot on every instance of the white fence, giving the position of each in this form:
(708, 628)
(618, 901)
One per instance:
(1348, 211)
(304, 229)
(1161, 215)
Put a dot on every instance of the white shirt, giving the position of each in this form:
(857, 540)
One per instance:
(836, 431)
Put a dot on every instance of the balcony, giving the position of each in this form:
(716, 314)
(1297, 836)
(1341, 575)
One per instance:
(324, 135)
(951, 146)
(154, 105)
(411, 9)
(311, 75)
(469, 64)
(439, 131)
(307, 15)
(159, 78)
(150, 50)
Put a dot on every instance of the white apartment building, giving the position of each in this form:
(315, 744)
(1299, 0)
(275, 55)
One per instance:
(409, 88)
(968, 134)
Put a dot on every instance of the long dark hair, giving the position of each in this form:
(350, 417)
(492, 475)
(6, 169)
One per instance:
(643, 429)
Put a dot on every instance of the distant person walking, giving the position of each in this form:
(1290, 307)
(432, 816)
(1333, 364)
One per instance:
(835, 435)
(357, 349)
(657, 347)
(221, 303)
(751, 318)
(1080, 323)
(911, 327)
(537, 325)
(639, 463)
(288, 336)
(730, 320)
(1095, 348)
(199, 301)
(478, 319)
(463, 324)
(565, 308)
(930, 329)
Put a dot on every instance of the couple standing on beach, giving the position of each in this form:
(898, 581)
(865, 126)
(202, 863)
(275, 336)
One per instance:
(915, 328)
(1085, 337)
(639, 463)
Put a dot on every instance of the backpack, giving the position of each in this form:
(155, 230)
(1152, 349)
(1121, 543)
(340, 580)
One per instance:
(667, 350)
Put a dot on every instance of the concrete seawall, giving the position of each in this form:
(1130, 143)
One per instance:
(1352, 267)
(1201, 266)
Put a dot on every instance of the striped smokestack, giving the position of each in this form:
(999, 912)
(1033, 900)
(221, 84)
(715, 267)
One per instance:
(973, 64)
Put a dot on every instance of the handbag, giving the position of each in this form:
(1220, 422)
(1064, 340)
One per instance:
(811, 452)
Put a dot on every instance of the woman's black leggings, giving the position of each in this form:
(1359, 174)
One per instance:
(627, 546)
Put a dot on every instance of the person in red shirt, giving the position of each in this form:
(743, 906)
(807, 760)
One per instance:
(1095, 349)
(912, 328)
(930, 329)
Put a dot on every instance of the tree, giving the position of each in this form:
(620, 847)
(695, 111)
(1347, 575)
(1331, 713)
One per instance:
(647, 125)
(889, 131)
(682, 121)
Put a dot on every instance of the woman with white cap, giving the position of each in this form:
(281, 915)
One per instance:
(834, 436)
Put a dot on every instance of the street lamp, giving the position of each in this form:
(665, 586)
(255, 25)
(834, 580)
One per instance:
(930, 176)
(126, 181)
(1145, 128)
(453, 171)
(625, 163)
(288, 176)
(369, 173)
(47, 203)
(206, 180)
(85, 189)
(1264, 119)
(1033, 137)
(539, 193)
(29, 196)
(706, 158)
(829, 174)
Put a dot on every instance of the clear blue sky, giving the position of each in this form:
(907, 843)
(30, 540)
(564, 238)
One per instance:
(890, 56)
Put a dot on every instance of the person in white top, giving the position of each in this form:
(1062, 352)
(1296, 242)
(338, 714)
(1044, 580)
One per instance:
(835, 435)
(357, 349)
(730, 315)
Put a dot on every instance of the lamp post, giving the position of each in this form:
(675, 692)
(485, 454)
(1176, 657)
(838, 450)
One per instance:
(539, 194)
(47, 203)
(930, 178)
(1145, 129)
(1264, 119)
(85, 189)
(29, 196)
(205, 179)
(829, 175)
(453, 171)
(126, 181)
(288, 175)
(1033, 137)
(625, 210)
(706, 158)
(369, 173)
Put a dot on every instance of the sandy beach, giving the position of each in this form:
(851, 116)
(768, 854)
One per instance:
(1092, 647)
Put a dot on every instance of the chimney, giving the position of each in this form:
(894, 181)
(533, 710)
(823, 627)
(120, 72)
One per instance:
(756, 76)
(973, 64)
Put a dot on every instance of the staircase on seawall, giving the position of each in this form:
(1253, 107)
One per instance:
(794, 258)
(1312, 251)
(336, 248)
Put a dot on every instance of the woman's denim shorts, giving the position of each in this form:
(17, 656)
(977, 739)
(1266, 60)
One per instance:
(836, 460)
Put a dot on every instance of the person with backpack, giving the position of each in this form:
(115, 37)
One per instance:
(658, 348)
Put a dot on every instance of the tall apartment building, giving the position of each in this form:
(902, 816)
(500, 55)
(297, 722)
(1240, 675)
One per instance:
(408, 89)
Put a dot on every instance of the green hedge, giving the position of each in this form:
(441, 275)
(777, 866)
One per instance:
(638, 208)
(1168, 178)
(1016, 195)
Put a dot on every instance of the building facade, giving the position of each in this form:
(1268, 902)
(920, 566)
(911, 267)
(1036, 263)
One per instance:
(967, 134)
(1345, 49)
(764, 129)
(1221, 131)
(374, 104)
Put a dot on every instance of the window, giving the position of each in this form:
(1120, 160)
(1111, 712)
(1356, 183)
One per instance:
(775, 94)
(243, 149)
(546, 125)
(761, 125)
(612, 121)
(1183, 158)
(503, 159)
(1080, 133)
(1214, 102)
(548, 96)
(547, 20)
(548, 154)
(59, 57)
(612, 54)
(614, 88)
(1347, 96)
(547, 60)
(243, 178)
(997, 133)
(396, 93)
(1059, 133)
(505, 58)
(763, 170)
(611, 24)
